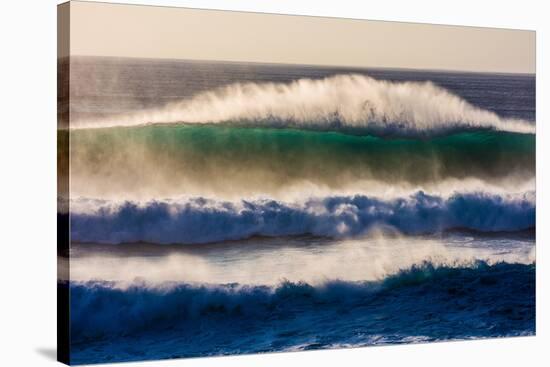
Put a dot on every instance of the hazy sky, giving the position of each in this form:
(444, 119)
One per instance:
(166, 32)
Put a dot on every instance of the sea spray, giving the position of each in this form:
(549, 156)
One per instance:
(350, 101)
(205, 160)
(201, 220)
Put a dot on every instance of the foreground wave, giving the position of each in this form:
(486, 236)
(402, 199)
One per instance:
(338, 102)
(164, 161)
(423, 303)
(202, 220)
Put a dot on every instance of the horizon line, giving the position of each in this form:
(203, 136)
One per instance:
(432, 70)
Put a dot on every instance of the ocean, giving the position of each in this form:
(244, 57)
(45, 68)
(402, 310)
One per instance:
(222, 208)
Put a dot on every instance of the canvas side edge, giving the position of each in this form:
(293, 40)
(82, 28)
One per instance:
(63, 223)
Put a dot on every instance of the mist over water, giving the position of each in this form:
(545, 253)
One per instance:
(107, 87)
(226, 208)
(229, 162)
(315, 261)
(385, 287)
(354, 102)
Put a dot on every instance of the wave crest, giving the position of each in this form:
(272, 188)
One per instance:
(203, 220)
(350, 101)
(98, 309)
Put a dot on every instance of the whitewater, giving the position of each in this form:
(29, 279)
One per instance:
(201, 220)
(233, 208)
(385, 287)
(346, 102)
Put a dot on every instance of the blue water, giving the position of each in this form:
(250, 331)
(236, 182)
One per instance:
(139, 301)
(180, 250)
(204, 221)
(421, 304)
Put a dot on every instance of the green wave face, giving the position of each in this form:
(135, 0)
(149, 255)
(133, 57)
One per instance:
(176, 157)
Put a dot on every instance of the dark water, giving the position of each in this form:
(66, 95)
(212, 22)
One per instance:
(297, 293)
(280, 233)
(418, 305)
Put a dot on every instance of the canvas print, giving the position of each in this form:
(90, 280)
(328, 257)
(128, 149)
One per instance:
(234, 183)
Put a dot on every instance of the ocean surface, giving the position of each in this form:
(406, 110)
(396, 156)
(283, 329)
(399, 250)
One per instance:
(227, 208)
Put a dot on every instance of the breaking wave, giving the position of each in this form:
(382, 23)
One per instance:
(341, 102)
(480, 295)
(205, 160)
(203, 220)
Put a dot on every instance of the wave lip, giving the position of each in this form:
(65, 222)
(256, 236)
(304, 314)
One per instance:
(340, 102)
(203, 220)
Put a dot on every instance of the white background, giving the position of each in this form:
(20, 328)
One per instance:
(28, 182)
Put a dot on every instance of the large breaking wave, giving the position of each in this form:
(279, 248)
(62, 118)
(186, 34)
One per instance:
(355, 102)
(317, 213)
(168, 161)
(480, 295)
(201, 220)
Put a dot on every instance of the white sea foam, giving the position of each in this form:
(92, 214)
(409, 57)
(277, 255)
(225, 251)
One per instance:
(369, 259)
(348, 101)
(201, 220)
(231, 189)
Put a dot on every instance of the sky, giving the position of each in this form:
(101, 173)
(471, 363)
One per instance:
(119, 30)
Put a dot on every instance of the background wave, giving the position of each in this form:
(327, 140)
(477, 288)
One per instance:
(350, 101)
(201, 220)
